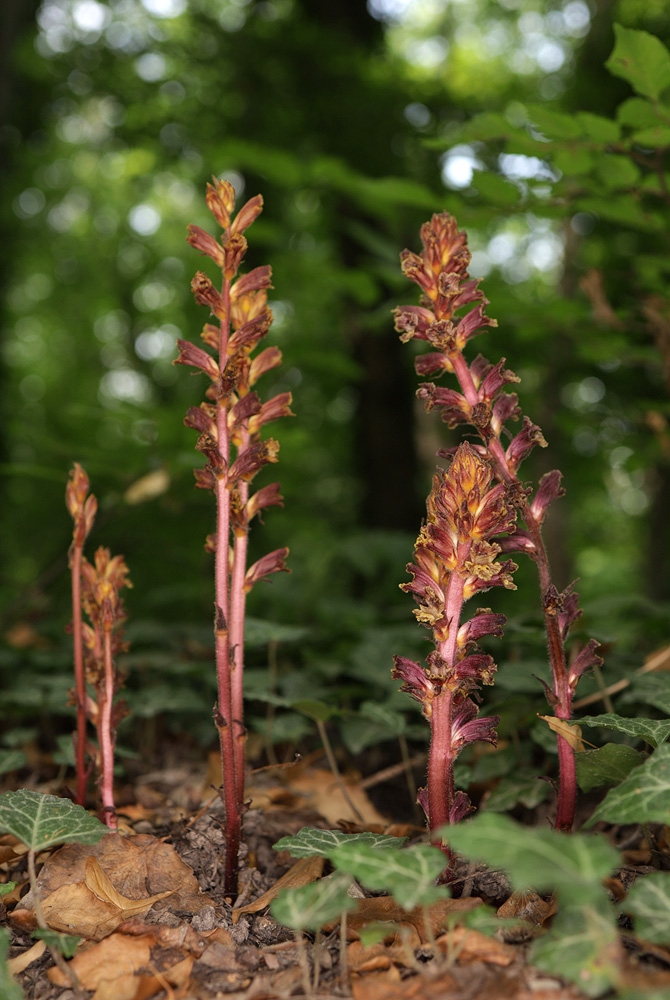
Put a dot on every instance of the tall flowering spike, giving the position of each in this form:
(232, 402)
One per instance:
(455, 556)
(229, 426)
(451, 313)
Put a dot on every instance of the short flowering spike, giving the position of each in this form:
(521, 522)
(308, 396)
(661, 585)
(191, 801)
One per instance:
(229, 424)
(454, 557)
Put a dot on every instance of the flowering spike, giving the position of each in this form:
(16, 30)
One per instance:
(441, 271)
(228, 427)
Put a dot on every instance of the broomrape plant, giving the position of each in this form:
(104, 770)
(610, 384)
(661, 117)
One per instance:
(441, 271)
(97, 643)
(228, 425)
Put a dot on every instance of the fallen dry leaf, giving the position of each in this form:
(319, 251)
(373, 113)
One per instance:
(467, 945)
(26, 958)
(302, 873)
(118, 955)
(428, 922)
(100, 886)
(527, 906)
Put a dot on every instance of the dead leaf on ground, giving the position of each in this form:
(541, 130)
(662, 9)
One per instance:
(302, 873)
(26, 958)
(528, 906)
(118, 955)
(384, 908)
(467, 945)
(100, 886)
(389, 986)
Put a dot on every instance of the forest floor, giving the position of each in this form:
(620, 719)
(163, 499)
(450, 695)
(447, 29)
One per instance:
(189, 943)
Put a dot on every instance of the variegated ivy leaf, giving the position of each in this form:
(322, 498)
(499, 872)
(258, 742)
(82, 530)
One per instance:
(652, 731)
(535, 856)
(581, 946)
(309, 907)
(310, 841)
(648, 901)
(642, 797)
(40, 821)
(408, 874)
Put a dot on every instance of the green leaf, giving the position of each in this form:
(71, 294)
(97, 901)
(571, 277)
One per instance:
(407, 874)
(39, 821)
(309, 907)
(579, 947)
(65, 943)
(652, 731)
(638, 112)
(9, 988)
(313, 709)
(554, 124)
(521, 787)
(598, 128)
(617, 171)
(484, 127)
(607, 765)
(495, 189)
(573, 159)
(657, 136)
(651, 689)
(6, 887)
(648, 900)
(311, 841)
(541, 858)
(643, 797)
(11, 760)
(642, 60)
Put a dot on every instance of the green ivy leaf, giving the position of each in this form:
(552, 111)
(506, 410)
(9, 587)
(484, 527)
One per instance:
(311, 841)
(607, 765)
(65, 943)
(9, 988)
(40, 821)
(579, 947)
(407, 874)
(7, 887)
(573, 159)
(652, 731)
(309, 907)
(651, 689)
(649, 902)
(641, 59)
(642, 797)
(523, 787)
(543, 859)
(12, 760)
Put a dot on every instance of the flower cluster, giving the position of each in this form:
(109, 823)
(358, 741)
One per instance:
(451, 313)
(456, 557)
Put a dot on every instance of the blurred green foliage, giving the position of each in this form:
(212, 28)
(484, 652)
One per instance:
(355, 123)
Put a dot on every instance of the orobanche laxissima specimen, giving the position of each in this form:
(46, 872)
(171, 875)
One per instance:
(441, 271)
(229, 425)
(455, 557)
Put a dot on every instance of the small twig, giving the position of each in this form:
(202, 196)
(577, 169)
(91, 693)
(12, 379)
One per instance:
(304, 962)
(387, 773)
(343, 950)
(334, 768)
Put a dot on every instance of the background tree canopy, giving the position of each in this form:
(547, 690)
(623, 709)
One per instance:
(355, 123)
